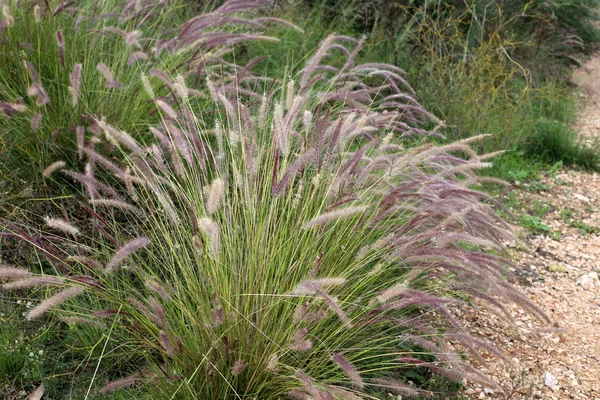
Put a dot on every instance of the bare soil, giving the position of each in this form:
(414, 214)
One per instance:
(565, 362)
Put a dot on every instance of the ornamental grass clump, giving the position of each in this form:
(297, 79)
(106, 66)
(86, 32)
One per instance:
(63, 63)
(287, 246)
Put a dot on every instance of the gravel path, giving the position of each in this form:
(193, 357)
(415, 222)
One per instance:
(560, 274)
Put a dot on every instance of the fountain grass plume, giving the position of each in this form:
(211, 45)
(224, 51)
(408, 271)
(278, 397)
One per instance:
(61, 225)
(54, 301)
(8, 273)
(125, 251)
(35, 281)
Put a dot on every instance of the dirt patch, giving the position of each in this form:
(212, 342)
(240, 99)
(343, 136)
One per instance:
(559, 271)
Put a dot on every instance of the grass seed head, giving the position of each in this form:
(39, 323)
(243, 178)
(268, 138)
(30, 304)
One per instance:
(13, 274)
(126, 251)
(55, 301)
(61, 225)
(55, 166)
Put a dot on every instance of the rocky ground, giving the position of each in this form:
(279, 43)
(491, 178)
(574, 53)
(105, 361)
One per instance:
(559, 270)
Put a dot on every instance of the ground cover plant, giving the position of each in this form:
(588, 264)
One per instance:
(273, 239)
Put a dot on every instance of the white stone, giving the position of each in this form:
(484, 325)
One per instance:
(581, 197)
(589, 281)
(550, 381)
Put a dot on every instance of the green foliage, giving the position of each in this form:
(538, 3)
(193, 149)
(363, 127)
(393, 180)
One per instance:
(25, 358)
(24, 150)
(214, 306)
(482, 67)
(540, 37)
(551, 142)
(534, 224)
(20, 357)
(574, 220)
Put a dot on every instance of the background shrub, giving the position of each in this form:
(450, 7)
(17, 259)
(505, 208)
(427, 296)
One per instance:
(553, 142)
(481, 67)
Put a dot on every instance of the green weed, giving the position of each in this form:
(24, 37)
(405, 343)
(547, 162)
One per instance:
(552, 142)
(570, 218)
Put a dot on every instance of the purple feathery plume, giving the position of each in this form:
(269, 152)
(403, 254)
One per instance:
(93, 183)
(166, 343)
(291, 172)
(117, 384)
(36, 90)
(131, 38)
(55, 301)
(299, 341)
(60, 42)
(349, 369)
(13, 274)
(238, 367)
(75, 80)
(137, 56)
(111, 82)
(35, 122)
(159, 288)
(32, 72)
(126, 251)
(32, 282)
(9, 109)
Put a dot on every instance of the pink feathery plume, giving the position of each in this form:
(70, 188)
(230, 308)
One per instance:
(35, 281)
(137, 56)
(117, 384)
(75, 80)
(55, 301)
(111, 82)
(35, 122)
(13, 274)
(349, 369)
(126, 251)
(238, 367)
(60, 41)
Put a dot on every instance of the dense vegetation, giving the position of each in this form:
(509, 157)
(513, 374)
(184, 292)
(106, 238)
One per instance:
(498, 67)
(232, 201)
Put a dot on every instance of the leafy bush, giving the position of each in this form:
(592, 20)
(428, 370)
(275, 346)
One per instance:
(285, 244)
(540, 36)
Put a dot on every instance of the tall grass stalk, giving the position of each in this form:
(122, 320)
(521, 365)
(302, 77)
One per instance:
(63, 64)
